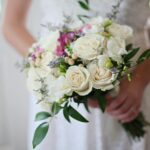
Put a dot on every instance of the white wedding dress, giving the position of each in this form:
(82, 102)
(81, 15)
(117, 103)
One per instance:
(102, 132)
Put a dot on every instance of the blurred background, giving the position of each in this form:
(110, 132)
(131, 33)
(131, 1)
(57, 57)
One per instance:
(14, 97)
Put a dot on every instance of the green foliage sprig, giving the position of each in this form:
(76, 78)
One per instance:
(84, 4)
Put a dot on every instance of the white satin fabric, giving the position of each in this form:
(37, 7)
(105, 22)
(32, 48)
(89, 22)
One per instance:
(102, 132)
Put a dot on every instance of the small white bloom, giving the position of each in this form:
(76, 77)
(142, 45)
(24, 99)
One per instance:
(79, 80)
(88, 47)
(75, 25)
(33, 82)
(50, 42)
(121, 31)
(116, 48)
(104, 61)
(58, 88)
(94, 26)
(96, 20)
(46, 105)
(102, 78)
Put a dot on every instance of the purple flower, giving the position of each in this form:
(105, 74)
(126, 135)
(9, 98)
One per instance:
(64, 39)
(39, 49)
(60, 51)
(115, 70)
(33, 57)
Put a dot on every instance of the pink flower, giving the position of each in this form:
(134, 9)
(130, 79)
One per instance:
(86, 27)
(39, 49)
(59, 51)
(37, 52)
(33, 57)
(64, 39)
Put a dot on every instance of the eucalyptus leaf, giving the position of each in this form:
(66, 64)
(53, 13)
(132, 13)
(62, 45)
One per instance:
(76, 115)
(84, 101)
(144, 56)
(66, 114)
(101, 100)
(42, 115)
(129, 47)
(56, 108)
(84, 5)
(87, 1)
(86, 106)
(131, 54)
(82, 18)
(40, 134)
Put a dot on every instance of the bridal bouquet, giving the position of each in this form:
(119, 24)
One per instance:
(80, 62)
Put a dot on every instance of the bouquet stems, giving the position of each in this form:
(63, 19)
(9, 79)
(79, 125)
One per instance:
(136, 128)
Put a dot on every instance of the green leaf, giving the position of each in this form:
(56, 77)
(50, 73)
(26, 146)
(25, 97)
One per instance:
(83, 18)
(66, 114)
(56, 108)
(69, 49)
(86, 106)
(129, 47)
(76, 115)
(84, 5)
(40, 134)
(62, 68)
(144, 56)
(84, 101)
(87, 1)
(101, 100)
(131, 54)
(42, 115)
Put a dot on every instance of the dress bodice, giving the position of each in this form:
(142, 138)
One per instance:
(54, 10)
(132, 12)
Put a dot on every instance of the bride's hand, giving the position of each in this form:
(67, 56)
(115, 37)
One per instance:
(126, 106)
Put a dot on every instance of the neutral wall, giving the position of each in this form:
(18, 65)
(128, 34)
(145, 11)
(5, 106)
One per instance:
(14, 97)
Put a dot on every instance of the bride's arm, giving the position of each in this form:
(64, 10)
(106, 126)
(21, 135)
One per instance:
(14, 25)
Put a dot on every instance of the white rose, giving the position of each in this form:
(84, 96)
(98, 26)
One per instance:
(58, 88)
(122, 31)
(102, 78)
(88, 47)
(116, 48)
(50, 42)
(42, 64)
(79, 80)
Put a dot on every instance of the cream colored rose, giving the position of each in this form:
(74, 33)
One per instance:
(88, 47)
(101, 77)
(79, 80)
(42, 64)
